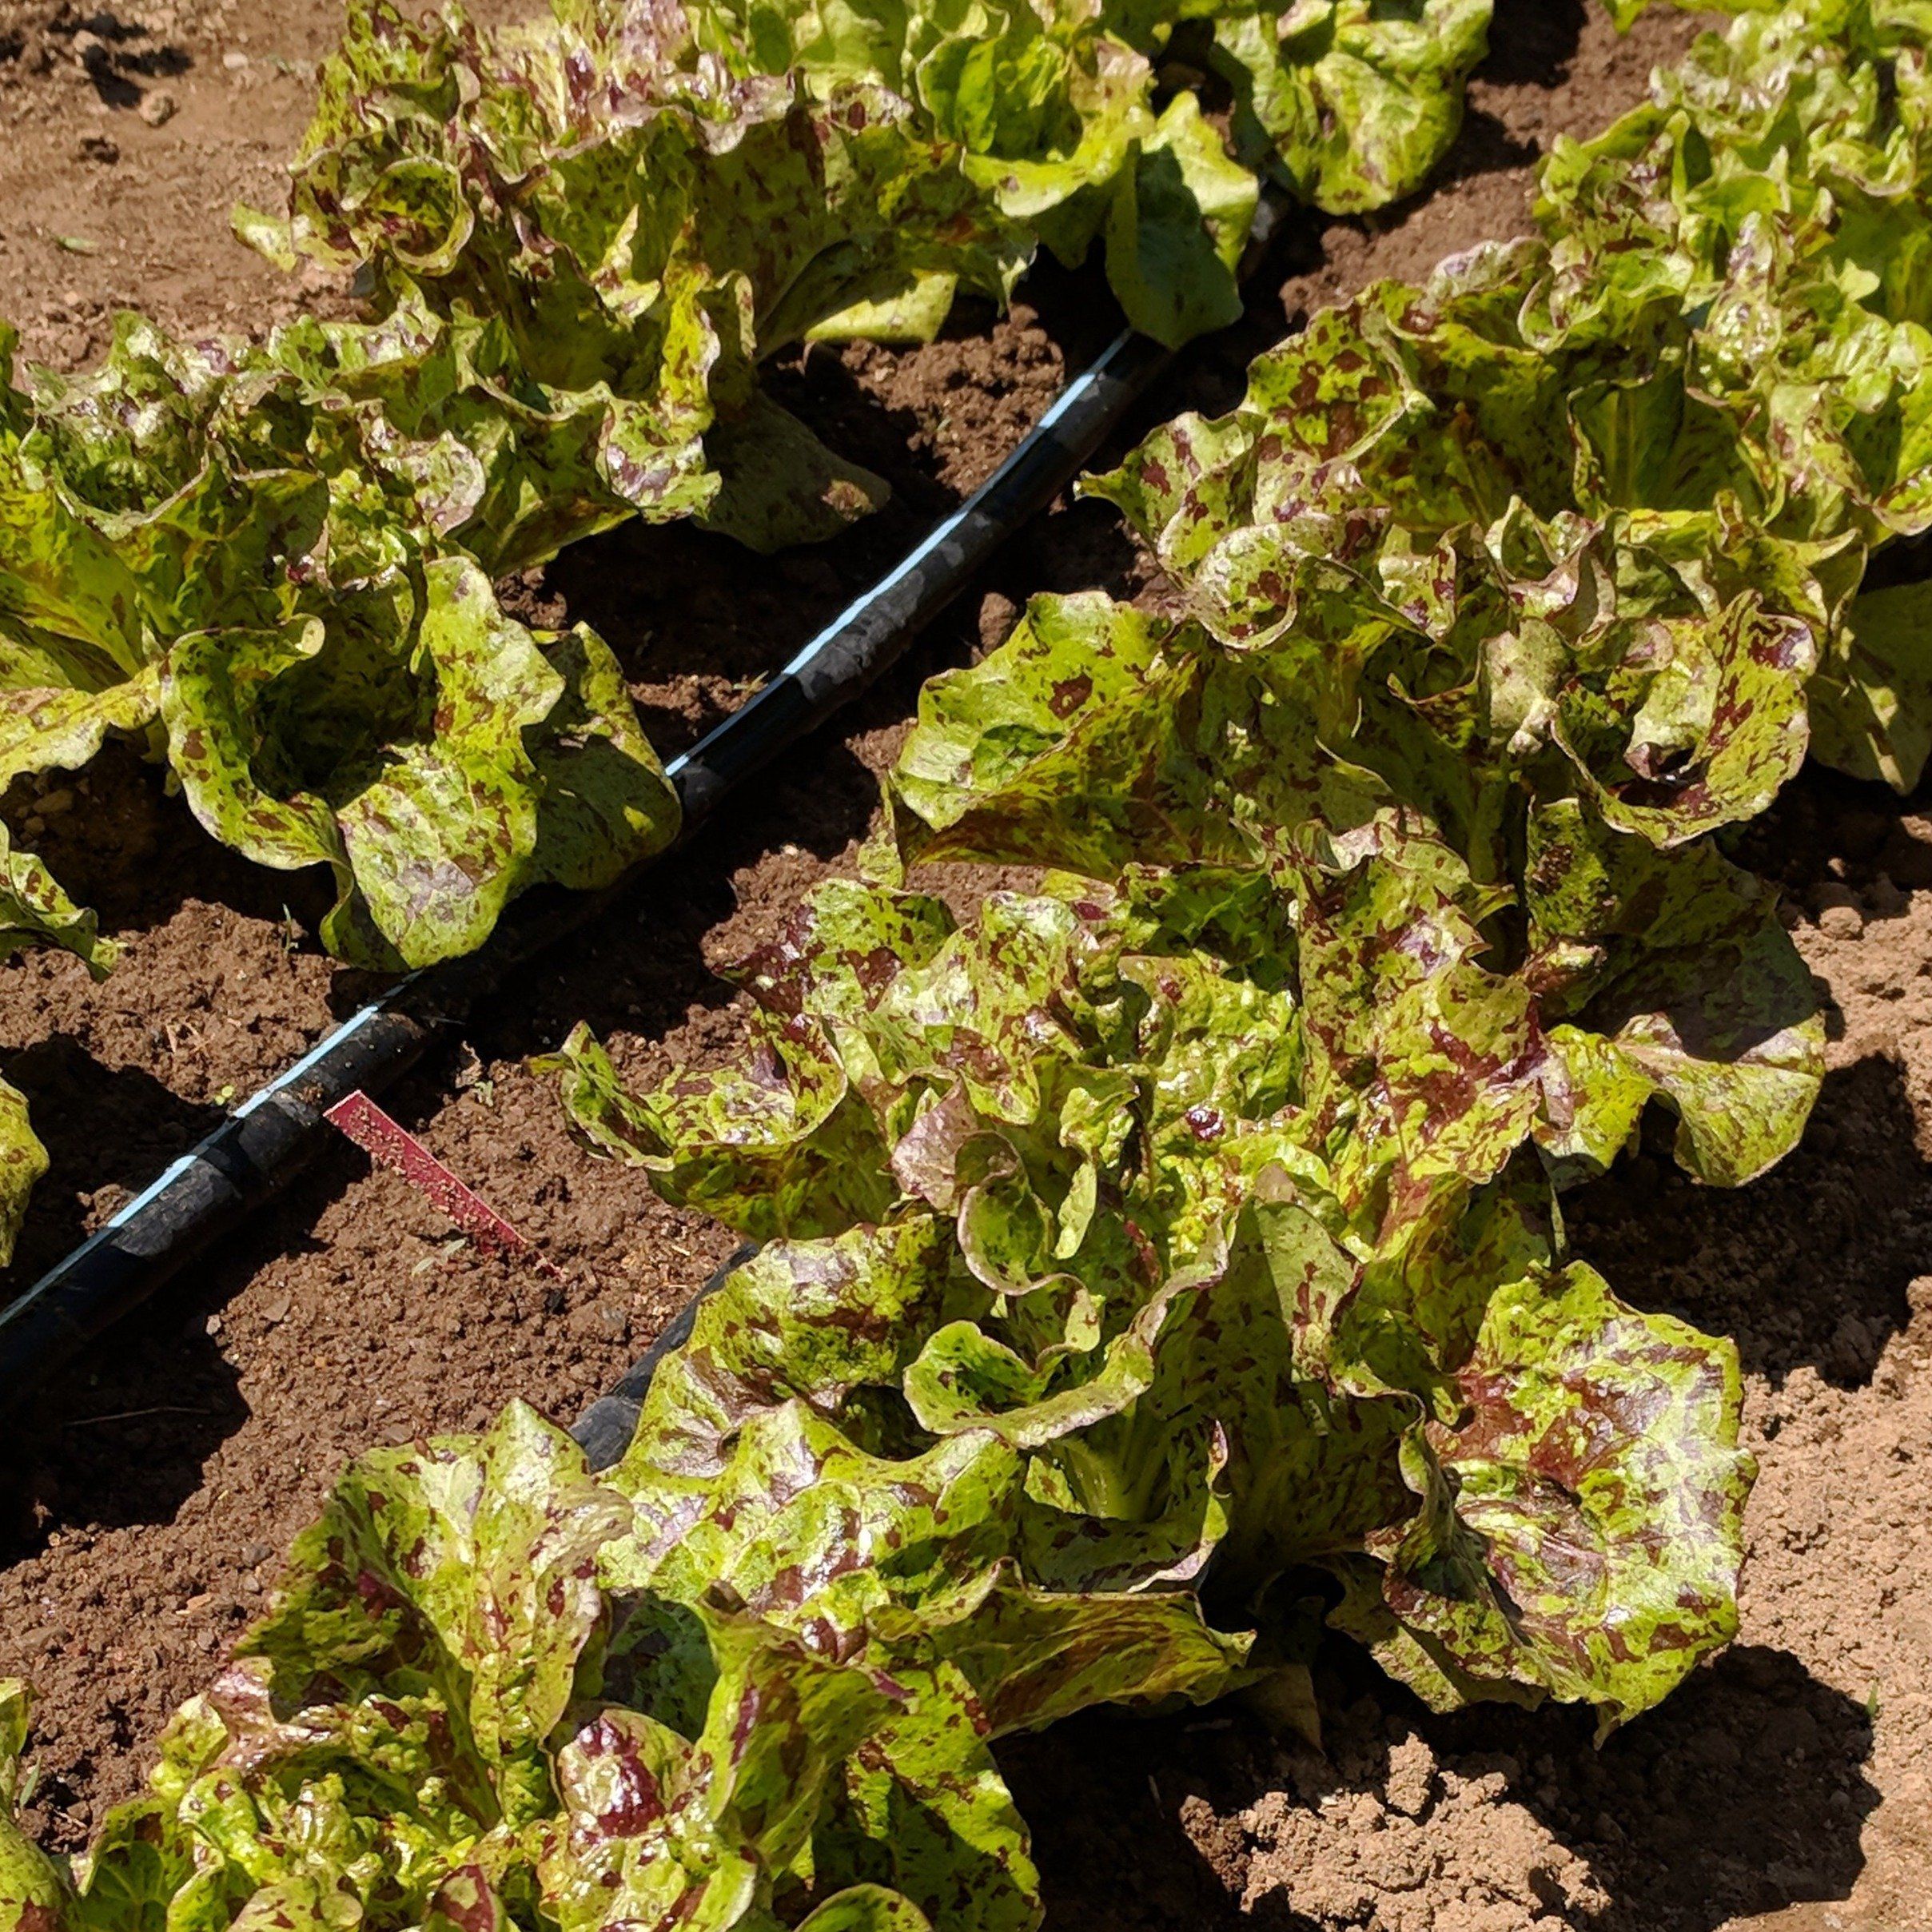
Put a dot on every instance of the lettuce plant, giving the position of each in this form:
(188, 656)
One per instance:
(495, 1691)
(1245, 1264)
(236, 553)
(555, 173)
(1168, 1260)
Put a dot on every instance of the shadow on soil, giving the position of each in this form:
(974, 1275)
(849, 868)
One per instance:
(108, 1131)
(135, 856)
(1808, 1265)
(1744, 1793)
(123, 1439)
(1531, 42)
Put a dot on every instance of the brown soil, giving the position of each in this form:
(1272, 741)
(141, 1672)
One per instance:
(157, 1486)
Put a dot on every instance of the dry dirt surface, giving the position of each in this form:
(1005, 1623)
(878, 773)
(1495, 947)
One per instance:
(1788, 1785)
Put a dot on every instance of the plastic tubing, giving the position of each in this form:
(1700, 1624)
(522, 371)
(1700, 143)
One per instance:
(604, 1430)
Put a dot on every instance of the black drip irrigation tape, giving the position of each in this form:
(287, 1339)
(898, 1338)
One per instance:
(260, 1147)
(604, 1430)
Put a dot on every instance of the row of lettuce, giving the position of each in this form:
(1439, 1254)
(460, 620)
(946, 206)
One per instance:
(1378, 893)
(1166, 1266)
(581, 238)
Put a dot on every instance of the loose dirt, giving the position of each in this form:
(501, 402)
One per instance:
(1787, 1785)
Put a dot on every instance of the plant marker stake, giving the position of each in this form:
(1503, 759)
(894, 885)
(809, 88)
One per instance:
(395, 1148)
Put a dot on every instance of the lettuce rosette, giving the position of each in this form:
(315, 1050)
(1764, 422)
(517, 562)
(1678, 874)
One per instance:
(1253, 1273)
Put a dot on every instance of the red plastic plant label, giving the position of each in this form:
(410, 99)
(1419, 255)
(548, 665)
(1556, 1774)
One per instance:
(395, 1148)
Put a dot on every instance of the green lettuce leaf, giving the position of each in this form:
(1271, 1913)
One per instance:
(1176, 227)
(428, 802)
(1357, 102)
(35, 1893)
(1690, 990)
(23, 1162)
(1871, 701)
(1581, 1526)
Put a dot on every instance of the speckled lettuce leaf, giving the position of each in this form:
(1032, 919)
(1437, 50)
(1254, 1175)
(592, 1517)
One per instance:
(1357, 101)
(1062, 1341)
(35, 911)
(1035, 1657)
(1427, 1061)
(1580, 1527)
(1176, 227)
(756, 1533)
(412, 777)
(1666, 975)
(1722, 725)
(49, 725)
(992, 1017)
(840, 949)
(781, 1326)
(228, 494)
(778, 1148)
(23, 1162)
(472, 1557)
(1871, 701)
(1372, 495)
(1032, 751)
(16, 1723)
(604, 802)
(923, 1815)
(778, 485)
(965, 1379)
(657, 1830)
(600, 1108)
